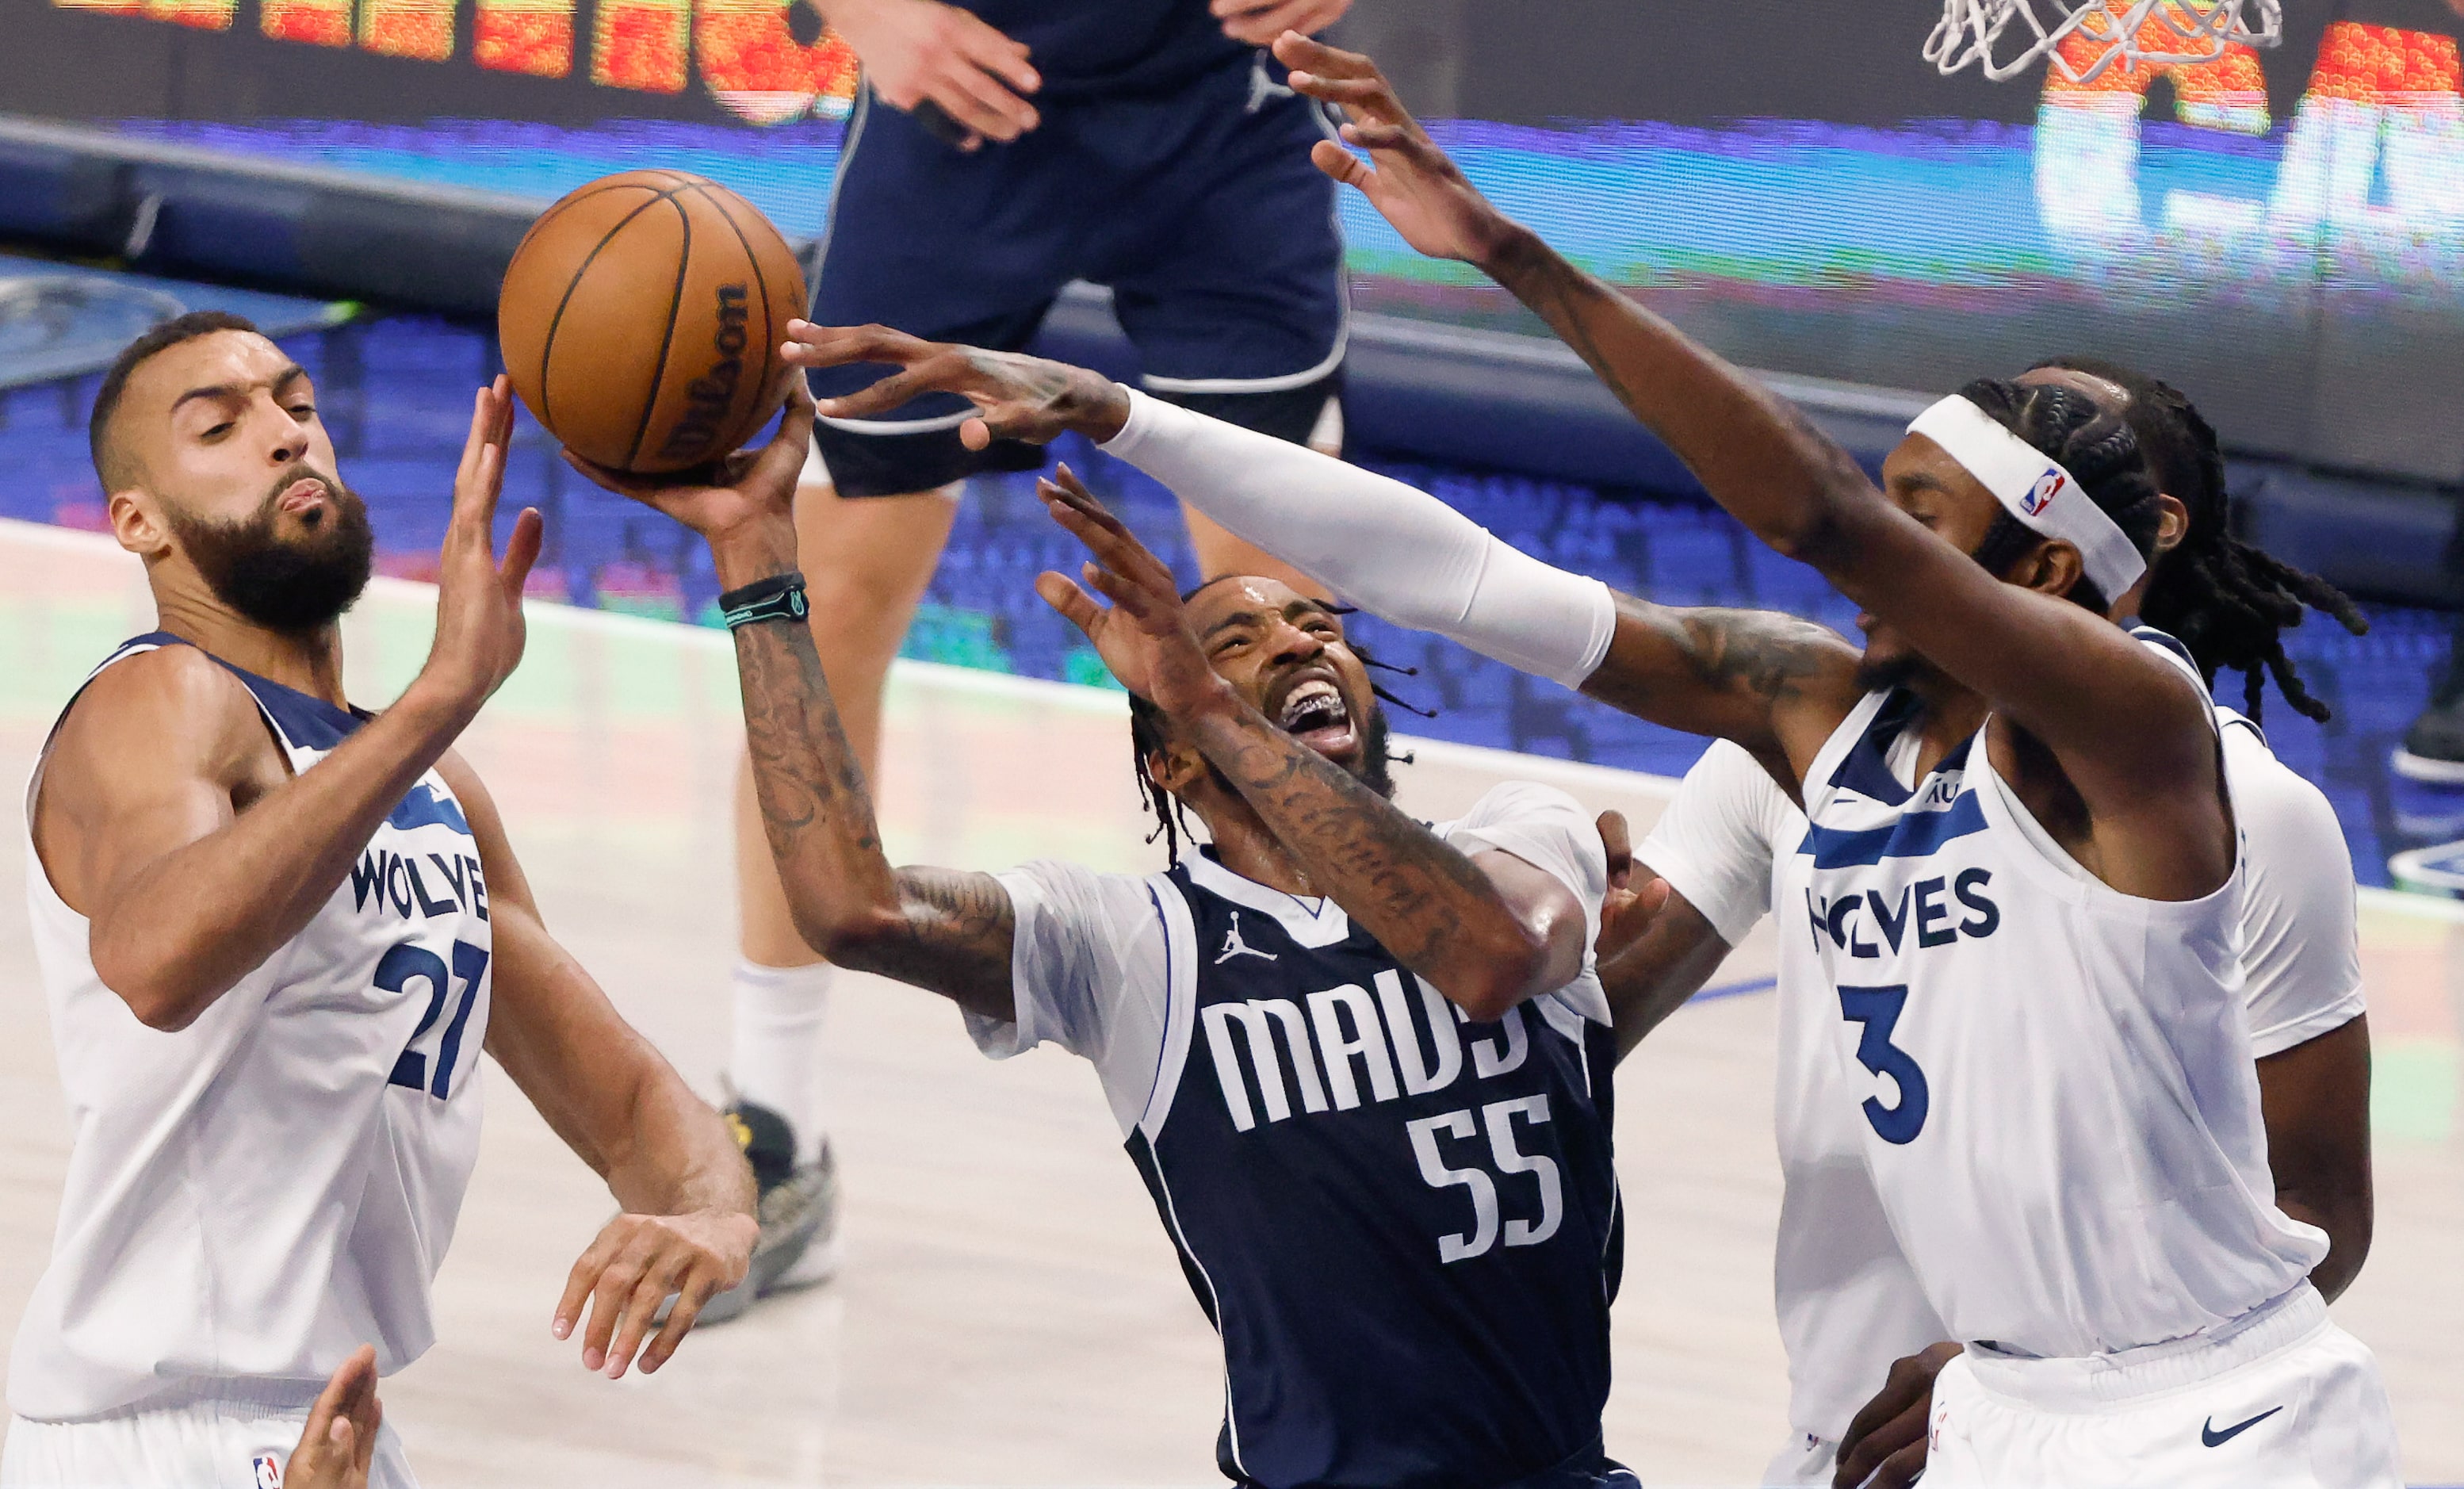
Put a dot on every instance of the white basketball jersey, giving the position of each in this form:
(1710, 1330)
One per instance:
(1847, 1303)
(253, 1198)
(2060, 1113)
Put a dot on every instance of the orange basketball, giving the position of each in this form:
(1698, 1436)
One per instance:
(641, 319)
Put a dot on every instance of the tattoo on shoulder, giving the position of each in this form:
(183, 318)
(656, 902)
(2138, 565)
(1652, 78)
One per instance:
(1767, 653)
(1764, 652)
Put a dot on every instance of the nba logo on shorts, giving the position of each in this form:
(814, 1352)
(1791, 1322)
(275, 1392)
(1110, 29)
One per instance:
(268, 1470)
(2042, 493)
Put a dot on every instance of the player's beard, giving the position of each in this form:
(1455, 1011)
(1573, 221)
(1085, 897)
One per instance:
(1377, 767)
(292, 585)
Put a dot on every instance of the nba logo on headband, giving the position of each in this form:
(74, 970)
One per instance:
(2041, 495)
(2026, 482)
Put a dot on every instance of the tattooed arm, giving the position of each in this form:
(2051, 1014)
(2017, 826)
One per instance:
(2123, 732)
(1774, 683)
(1752, 450)
(1486, 930)
(943, 931)
(937, 929)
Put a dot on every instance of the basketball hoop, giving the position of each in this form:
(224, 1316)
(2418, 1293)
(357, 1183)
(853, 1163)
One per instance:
(2084, 37)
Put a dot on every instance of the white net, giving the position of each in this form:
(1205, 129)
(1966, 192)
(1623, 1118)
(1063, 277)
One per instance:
(2081, 38)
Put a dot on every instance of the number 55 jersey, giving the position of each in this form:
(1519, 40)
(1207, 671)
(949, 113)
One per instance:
(252, 1198)
(1404, 1226)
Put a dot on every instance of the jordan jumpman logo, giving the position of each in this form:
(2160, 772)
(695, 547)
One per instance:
(1234, 945)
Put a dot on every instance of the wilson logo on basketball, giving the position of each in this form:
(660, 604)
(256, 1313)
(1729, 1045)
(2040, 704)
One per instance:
(2041, 494)
(709, 397)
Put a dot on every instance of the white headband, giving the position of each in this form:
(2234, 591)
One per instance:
(2032, 486)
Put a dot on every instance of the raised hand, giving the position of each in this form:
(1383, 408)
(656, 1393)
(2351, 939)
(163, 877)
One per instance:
(1144, 638)
(1017, 397)
(917, 52)
(1259, 22)
(744, 504)
(631, 1269)
(480, 629)
(1408, 179)
(736, 491)
(340, 1441)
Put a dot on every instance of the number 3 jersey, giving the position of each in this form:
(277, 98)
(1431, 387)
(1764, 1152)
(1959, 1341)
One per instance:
(250, 1198)
(1404, 1226)
(2053, 1079)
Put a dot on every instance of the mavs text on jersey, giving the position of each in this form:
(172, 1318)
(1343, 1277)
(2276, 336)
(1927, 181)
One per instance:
(1404, 1226)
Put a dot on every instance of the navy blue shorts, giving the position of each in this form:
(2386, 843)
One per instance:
(1199, 209)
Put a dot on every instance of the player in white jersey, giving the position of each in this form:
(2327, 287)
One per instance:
(274, 932)
(2027, 859)
(1849, 1307)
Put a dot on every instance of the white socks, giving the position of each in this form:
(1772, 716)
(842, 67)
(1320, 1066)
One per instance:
(775, 1057)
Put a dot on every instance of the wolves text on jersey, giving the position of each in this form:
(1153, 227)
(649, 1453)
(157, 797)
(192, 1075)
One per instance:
(1935, 912)
(397, 882)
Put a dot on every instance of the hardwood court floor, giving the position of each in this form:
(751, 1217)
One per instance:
(1010, 1312)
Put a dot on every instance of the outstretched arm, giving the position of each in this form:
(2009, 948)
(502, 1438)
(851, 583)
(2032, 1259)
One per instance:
(1488, 930)
(2127, 730)
(687, 1224)
(947, 932)
(1771, 682)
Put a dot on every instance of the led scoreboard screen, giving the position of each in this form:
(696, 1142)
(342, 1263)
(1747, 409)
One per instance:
(2282, 232)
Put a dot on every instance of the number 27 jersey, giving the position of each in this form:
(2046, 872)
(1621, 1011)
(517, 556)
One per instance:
(1403, 1226)
(252, 1198)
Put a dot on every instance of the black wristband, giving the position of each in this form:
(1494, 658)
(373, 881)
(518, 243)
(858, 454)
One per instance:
(778, 598)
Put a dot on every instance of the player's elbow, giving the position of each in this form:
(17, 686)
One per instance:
(1506, 967)
(160, 1000)
(2346, 1213)
(859, 937)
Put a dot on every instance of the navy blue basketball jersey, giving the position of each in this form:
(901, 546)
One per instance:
(1113, 46)
(1404, 1226)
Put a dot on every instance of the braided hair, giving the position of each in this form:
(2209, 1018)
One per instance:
(2229, 602)
(1148, 734)
(1147, 738)
(2099, 449)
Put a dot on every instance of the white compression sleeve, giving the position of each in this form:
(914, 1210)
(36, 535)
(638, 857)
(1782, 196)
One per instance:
(1400, 554)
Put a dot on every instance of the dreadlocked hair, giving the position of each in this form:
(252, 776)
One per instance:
(1149, 735)
(2229, 602)
(2099, 449)
(1146, 741)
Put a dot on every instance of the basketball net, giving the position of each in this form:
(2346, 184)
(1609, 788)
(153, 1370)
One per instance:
(2084, 37)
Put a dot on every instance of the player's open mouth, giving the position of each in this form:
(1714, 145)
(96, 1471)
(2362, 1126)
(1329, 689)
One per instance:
(303, 496)
(1314, 714)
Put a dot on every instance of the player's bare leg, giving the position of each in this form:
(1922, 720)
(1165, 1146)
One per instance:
(867, 562)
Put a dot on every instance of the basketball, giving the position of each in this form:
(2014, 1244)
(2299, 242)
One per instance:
(641, 319)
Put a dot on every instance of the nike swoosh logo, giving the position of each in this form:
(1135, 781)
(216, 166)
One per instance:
(2210, 1438)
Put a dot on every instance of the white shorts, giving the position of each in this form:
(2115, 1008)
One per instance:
(2279, 1399)
(1805, 1461)
(208, 1445)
